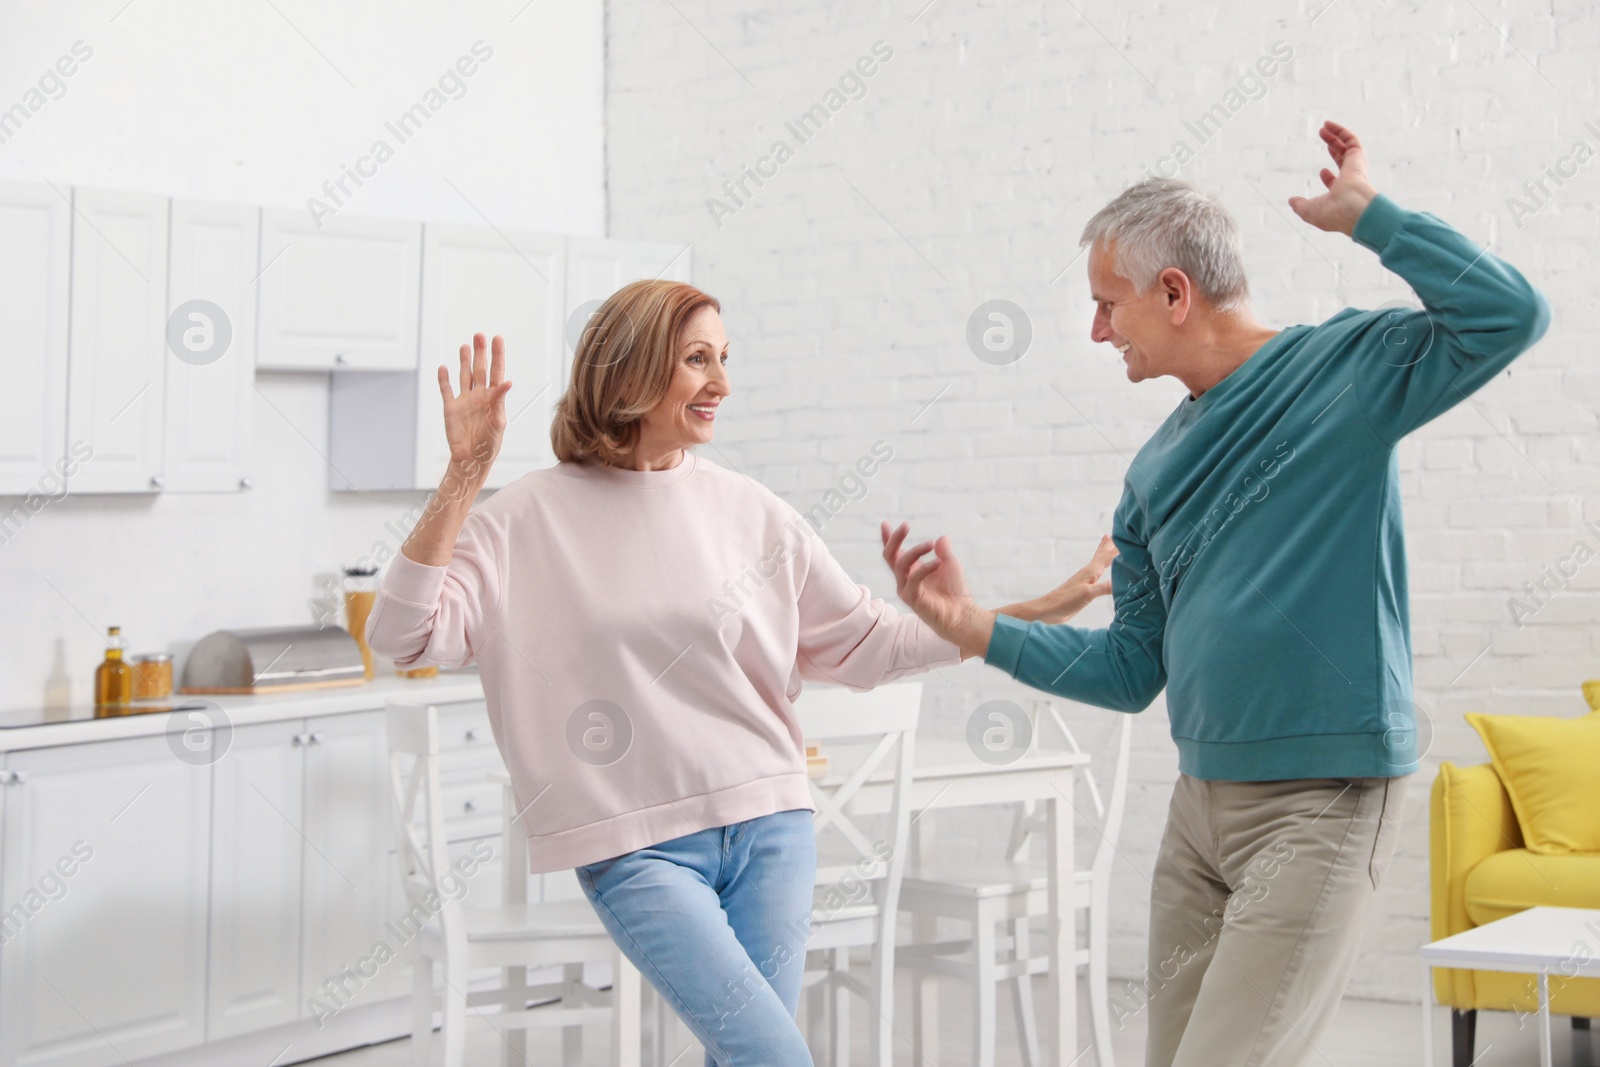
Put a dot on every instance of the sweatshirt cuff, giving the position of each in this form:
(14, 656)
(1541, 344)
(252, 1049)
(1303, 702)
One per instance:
(1005, 644)
(1377, 223)
(935, 649)
(413, 582)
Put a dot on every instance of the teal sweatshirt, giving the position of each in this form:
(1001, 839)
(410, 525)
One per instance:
(1262, 569)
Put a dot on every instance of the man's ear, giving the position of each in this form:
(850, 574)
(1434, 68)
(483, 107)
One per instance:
(1178, 293)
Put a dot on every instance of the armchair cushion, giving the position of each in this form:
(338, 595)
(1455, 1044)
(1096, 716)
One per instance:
(1548, 768)
(1517, 879)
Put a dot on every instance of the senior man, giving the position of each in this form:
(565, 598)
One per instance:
(1261, 578)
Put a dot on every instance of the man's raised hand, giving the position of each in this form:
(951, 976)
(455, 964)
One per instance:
(1349, 191)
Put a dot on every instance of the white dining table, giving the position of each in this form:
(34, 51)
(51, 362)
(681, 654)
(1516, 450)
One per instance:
(946, 774)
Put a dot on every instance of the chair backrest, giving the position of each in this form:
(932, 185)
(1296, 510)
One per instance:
(882, 721)
(418, 815)
(1108, 810)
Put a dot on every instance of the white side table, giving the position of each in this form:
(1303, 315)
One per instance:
(1539, 941)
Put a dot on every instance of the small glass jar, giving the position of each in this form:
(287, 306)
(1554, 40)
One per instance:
(152, 675)
(360, 590)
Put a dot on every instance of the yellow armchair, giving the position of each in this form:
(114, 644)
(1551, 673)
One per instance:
(1479, 871)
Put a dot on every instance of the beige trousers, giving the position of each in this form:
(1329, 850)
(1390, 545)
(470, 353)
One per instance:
(1260, 899)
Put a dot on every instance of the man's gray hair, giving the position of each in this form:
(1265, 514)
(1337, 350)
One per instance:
(1164, 222)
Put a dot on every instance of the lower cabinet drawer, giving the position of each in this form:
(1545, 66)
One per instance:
(471, 809)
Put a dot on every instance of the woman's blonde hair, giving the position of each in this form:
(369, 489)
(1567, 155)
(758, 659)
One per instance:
(622, 369)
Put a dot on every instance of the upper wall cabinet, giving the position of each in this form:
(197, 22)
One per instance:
(35, 252)
(211, 344)
(598, 267)
(339, 296)
(387, 430)
(116, 377)
(480, 281)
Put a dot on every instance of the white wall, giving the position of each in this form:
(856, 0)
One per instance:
(232, 103)
(965, 173)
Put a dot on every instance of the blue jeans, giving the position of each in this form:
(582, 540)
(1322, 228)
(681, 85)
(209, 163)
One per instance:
(718, 922)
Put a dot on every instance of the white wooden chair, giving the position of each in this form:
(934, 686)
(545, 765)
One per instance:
(886, 720)
(1006, 894)
(463, 938)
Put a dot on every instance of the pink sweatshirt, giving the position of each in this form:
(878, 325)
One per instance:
(642, 636)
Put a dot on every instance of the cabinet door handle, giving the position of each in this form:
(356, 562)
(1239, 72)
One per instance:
(156, 481)
(471, 805)
(338, 357)
(17, 777)
(472, 735)
(316, 737)
(300, 739)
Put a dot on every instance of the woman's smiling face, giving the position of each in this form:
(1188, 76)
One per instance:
(687, 414)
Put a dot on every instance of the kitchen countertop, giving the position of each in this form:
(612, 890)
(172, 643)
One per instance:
(450, 686)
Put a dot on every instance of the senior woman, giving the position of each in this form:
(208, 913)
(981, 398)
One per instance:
(643, 621)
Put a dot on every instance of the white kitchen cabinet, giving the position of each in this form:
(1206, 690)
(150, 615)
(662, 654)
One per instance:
(107, 963)
(35, 255)
(387, 430)
(256, 865)
(476, 280)
(211, 312)
(598, 267)
(337, 295)
(349, 866)
(117, 365)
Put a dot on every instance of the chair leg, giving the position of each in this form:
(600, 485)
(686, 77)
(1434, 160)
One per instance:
(1022, 995)
(514, 1049)
(422, 1011)
(1100, 979)
(983, 988)
(816, 997)
(571, 1036)
(925, 993)
(1463, 1025)
(453, 1027)
(883, 991)
(841, 1008)
(627, 1012)
(663, 1018)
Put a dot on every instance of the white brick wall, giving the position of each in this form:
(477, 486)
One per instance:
(965, 174)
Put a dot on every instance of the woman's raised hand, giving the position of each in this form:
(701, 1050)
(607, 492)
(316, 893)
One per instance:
(936, 589)
(475, 418)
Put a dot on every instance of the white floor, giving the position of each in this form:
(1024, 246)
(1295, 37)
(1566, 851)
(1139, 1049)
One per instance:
(1367, 1034)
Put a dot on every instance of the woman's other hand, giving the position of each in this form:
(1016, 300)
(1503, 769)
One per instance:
(936, 589)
